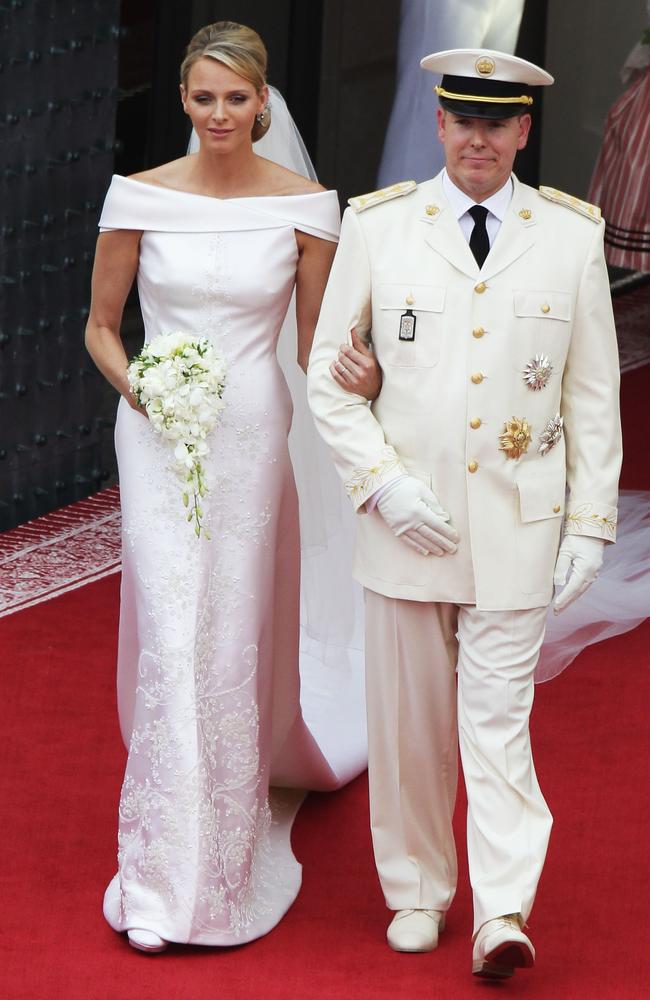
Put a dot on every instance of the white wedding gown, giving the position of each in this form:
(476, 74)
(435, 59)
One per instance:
(208, 682)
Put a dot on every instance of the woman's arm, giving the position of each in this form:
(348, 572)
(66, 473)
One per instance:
(315, 258)
(116, 264)
(314, 263)
(355, 366)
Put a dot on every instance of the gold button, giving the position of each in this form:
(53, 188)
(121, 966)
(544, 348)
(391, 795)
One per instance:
(475, 423)
(478, 332)
(546, 308)
(477, 378)
(557, 509)
(480, 288)
(409, 300)
(473, 466)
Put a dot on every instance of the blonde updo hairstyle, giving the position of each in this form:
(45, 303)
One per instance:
(240, 49)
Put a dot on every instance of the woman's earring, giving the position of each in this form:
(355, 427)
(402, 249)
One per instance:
(263, 117)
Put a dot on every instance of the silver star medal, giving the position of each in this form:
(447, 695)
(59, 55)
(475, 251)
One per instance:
(551, 434)
(537, 372)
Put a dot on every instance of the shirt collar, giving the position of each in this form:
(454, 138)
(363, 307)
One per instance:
(460, 202)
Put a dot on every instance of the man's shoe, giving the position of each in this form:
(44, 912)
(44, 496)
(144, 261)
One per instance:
(415, 930)
(500, 947)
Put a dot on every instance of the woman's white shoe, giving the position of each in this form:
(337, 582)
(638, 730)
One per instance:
(146, 940)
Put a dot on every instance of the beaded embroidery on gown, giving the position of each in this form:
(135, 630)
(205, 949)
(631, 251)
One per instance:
(208, 684)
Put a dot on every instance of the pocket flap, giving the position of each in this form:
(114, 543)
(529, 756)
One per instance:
(419, 298)
(543, 305)
(541, 497)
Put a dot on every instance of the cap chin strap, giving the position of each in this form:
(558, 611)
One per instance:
(524, 99)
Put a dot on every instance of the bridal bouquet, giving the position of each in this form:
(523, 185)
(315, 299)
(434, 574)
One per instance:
(180, 380)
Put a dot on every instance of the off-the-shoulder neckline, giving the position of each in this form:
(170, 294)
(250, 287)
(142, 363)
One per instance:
(210, 197)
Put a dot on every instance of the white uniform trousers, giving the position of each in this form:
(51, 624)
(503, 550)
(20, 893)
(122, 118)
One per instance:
(413, 650)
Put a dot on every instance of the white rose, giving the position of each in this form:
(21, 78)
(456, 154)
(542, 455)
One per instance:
(165, 344)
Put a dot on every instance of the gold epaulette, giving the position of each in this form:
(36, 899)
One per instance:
(591, 211)
(363, 201)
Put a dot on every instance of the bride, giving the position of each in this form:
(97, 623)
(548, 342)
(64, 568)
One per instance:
(208, 683)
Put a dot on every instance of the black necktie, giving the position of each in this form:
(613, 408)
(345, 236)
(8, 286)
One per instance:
(479, 242)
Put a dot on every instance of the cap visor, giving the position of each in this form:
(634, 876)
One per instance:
(482, 109)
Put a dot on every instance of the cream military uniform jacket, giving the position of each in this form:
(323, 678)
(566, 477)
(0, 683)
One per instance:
(504, 402)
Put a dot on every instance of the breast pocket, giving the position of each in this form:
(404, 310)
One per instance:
(542, 329)
(547, 308)
(420, 343)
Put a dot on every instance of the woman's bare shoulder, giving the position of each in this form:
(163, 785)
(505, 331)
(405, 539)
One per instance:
(282, 181)
(166, 175)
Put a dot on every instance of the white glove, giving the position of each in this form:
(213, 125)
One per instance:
(412, 512)
(581, 557)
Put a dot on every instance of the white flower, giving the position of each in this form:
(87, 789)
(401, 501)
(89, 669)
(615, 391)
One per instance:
(165, 344)
(180, 382)
(182, 455)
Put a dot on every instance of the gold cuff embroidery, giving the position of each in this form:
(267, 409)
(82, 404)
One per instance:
(364, 482)
(598, 520)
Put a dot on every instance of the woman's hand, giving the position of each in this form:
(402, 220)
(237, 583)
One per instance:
(116, 264)
(356, 369)
(133, 403)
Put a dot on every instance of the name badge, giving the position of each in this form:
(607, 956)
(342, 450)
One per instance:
(407, 325)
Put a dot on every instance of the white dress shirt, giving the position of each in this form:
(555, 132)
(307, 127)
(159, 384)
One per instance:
(496, 204)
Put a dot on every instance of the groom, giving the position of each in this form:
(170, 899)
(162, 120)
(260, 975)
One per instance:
(488, 306)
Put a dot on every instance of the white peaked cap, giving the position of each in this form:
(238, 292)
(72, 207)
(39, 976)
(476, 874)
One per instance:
(486, 64)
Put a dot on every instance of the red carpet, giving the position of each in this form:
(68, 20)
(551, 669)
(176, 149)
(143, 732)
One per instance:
(60, 784)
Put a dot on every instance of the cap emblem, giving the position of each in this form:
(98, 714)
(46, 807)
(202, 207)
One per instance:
(485, 66)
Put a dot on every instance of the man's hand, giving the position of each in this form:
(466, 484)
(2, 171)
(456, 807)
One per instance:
(581, 557)
(356, 369)
(412, 512)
